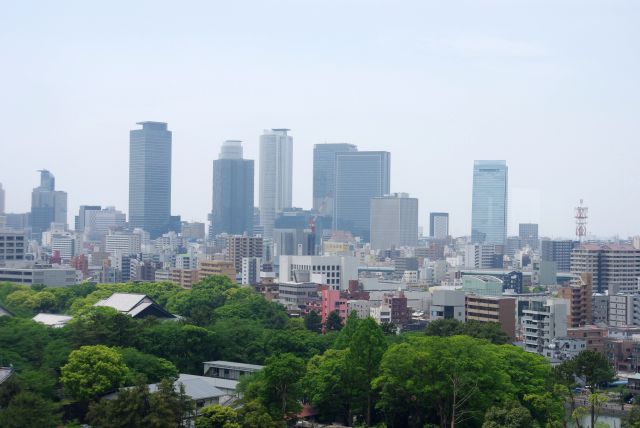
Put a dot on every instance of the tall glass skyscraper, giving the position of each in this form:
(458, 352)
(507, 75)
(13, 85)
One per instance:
(150, 178)
(324, 170)
(276, 173)
(359, 177)
(48, 205)
(232, 211)
(489, 205)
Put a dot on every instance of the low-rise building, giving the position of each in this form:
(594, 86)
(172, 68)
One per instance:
(593, 335)
(482, 285)
(135, 305)
(447, 302)
(296, 294)
(501, 310)
(52, 320)
(45, 275)
(229, 369)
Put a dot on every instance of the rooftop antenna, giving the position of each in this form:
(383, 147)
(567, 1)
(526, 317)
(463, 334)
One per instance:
(581, 216)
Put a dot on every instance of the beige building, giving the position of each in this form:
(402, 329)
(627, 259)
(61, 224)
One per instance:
(216, 267)
(614, 267)
(242, 246)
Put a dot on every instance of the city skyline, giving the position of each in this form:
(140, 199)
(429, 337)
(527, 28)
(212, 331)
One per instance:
(436, 95)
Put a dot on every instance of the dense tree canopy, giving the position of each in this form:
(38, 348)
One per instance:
(355, 373)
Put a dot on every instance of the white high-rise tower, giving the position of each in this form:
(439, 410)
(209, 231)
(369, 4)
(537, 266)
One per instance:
(276, 172)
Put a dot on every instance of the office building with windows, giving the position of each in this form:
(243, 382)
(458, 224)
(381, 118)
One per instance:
(439, 225)
(489, 203)
(232, 210)
(324, 170)
(48, 205)
(528, 234)
(394, 221)
(150, 178)
(276, 174)
(360, 176)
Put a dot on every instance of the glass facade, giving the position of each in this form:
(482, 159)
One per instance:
(150, 178)
(232, 211)
(489, 204)
(360, 176)
(324, 170)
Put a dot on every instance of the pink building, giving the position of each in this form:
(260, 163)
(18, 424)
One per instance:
(332, 301)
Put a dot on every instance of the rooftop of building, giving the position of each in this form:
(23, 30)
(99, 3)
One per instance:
(234, 365)
(607, 247)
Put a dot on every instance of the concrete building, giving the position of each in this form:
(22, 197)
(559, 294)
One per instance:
(251, 267)
(489, 202)
(400, 312)
(595, 336)
(624, 310)
(79, 219)
(41, 275)
(276, 174)
(150, 178)
(337, 270)
(447, 302)
(216, 267)
(381, 314)
(482, 285)
(360, 307)
(501, 310)
(324, 175)
(557, 251)
(394, 221)
(232, 210)
(542, 322)
(185, 277)
(484, 256)
(48, 205)
(332, 301)
(600, 306)
(229, 370)
(359, 177)
(528, 234)
(98, 223)
(2, 200)
(614, 267)
(193, 231)
(296, 294)
(13, 246)
(123, 242)
(579, 295)
(243, 246)
(439, 225)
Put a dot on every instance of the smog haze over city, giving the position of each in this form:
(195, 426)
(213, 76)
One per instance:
(549, 86)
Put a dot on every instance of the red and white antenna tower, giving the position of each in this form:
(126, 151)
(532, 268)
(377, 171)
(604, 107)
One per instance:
(582, 214)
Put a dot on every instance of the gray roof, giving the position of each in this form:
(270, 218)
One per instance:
(5, 373)
(234, 365)
(4, 312)
(52, 320)
(123, 302)
(133, 304)
(196, 387)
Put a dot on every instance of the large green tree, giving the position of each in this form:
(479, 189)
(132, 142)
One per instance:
(217, 416)
(278, 387)
(333, 322)
(363, 362)
(313, 322)
(450, 381)
(168, 407)
(92, 371)
(27, 409)
(510, 415)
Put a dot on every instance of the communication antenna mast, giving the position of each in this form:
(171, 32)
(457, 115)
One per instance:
(582, 214)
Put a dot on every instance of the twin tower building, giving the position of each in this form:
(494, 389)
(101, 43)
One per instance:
(344, 182)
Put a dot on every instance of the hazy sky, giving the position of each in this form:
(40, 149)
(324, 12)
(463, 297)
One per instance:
(550, 86)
